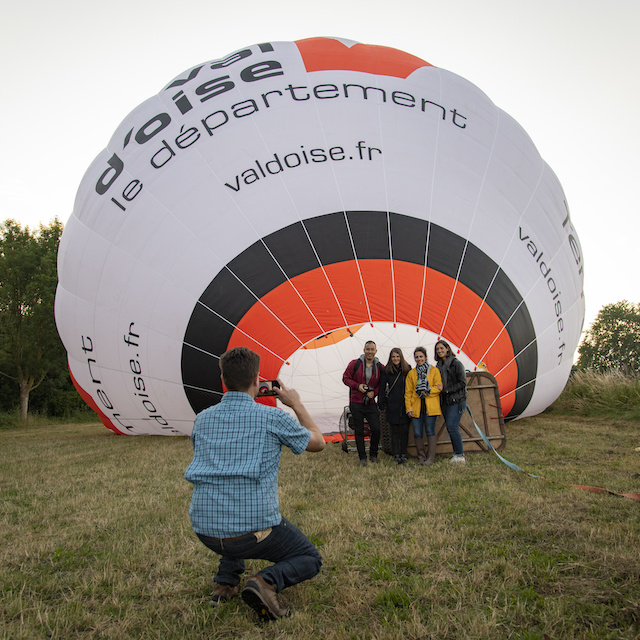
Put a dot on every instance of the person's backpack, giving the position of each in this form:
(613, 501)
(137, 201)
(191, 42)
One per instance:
(359, 363)
(357, 366)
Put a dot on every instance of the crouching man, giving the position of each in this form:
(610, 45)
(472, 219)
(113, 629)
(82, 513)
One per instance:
(234, 508)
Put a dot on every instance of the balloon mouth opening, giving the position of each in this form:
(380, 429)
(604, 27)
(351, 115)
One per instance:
(315, 369)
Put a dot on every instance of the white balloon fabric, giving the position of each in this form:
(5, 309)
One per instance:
(300, 198)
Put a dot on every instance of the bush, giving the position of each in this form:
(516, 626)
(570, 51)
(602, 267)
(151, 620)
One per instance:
(592, 393)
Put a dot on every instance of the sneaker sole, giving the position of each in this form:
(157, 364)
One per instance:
(254, 600)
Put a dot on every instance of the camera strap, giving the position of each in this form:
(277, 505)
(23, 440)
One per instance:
(394, 382)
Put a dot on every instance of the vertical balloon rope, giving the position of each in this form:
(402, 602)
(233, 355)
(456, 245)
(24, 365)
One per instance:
(505, 325)
(159, 204)
(473, 217)
(499, 266)
(393, 274)
(455, 286)
(480, 307)
(284, 273)
(323, 330)
(502, 330)
(261, 302)
(258, 299)
(324, 272)
(355, 257)
(346, 222)
(539, 334)
(424, 273)
(428, 213)
(539, 378)
(386, 208)
(236, 328)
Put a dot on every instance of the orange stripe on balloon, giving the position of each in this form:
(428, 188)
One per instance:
(508, 399)
(333, 337)
(266, 331)
(328, 54)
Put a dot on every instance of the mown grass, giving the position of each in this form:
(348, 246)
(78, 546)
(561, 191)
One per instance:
(95, 540)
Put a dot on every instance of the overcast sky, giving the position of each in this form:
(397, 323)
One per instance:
(566, 70)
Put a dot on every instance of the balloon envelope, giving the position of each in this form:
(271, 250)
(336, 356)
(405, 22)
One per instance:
(301, 198)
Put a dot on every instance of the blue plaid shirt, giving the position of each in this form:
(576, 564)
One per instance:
(234, 471)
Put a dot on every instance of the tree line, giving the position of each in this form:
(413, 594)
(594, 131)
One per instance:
(33, 366)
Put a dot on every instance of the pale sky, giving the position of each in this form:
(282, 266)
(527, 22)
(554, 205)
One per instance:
(566, 70)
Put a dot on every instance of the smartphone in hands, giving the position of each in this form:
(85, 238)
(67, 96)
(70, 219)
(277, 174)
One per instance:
(266, 388)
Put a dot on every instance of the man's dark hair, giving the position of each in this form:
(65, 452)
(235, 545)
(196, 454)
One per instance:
(239, 367)
(371, 342)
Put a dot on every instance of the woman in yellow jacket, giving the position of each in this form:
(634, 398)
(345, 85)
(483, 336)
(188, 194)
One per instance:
(422, 402)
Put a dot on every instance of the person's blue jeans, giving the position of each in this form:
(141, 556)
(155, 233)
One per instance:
(452, 414)
(295, 557)
(428, 423)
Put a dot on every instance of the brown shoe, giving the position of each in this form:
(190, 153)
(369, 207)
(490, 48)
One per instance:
(223, 593)
(422, 456)
(432, 443)
(261, 597)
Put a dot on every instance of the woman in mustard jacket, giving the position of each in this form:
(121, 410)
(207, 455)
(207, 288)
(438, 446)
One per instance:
(422, 402)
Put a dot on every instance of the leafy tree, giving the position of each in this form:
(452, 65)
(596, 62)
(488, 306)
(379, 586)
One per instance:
(29, 344)
(613, 340)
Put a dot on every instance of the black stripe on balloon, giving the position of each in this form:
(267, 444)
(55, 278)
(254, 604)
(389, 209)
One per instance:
(262, 267)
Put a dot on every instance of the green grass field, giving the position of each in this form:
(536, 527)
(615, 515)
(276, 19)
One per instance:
(96, 541)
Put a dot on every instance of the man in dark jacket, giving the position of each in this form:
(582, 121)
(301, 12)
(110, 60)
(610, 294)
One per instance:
(362, 376)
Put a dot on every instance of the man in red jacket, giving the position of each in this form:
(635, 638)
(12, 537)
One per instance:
(362, 376)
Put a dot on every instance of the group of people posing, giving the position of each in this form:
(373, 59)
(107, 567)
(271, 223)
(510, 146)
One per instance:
(234, 508)
(410, 396)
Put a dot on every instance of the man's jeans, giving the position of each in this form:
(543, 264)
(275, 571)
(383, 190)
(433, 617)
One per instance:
(296, 559)
(369, 411)
(452, 414)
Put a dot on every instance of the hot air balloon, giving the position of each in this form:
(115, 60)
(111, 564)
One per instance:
(301, 198)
